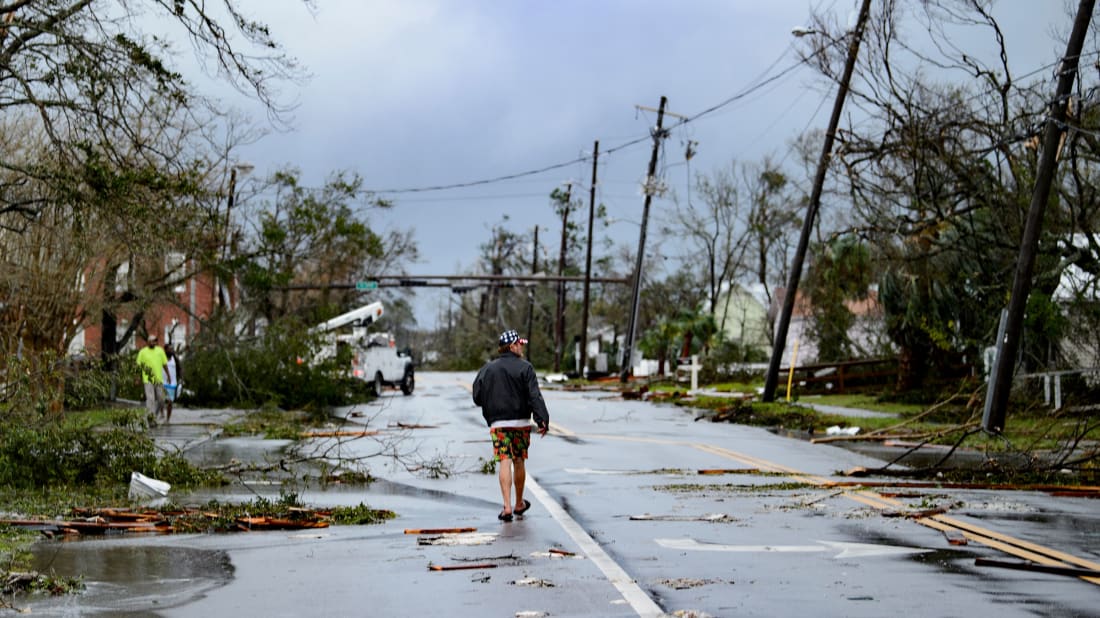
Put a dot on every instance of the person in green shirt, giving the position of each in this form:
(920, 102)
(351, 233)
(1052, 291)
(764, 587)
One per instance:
(151, 361)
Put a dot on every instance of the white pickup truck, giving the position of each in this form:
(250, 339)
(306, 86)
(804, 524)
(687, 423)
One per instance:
(375, 358)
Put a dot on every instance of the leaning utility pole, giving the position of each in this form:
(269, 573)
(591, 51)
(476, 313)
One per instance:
(780, 341)
(588, 259)
(993, 420)
(559, 325)
(651, 181)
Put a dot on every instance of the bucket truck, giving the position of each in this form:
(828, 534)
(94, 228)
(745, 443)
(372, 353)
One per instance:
(375, 358)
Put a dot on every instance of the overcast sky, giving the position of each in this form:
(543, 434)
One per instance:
(421, 93)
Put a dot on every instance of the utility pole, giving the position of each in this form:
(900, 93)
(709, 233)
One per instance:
(781, 328)
(651, 181)
(531, 294)
(994, 418)
(559, 325)
(588, 259)
(222, 294)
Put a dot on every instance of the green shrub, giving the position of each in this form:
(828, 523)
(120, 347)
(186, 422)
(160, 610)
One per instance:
(75, 455)
(726, 363)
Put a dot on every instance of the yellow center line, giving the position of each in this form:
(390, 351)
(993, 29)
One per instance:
(1002, 542)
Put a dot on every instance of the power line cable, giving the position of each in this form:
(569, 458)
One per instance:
(754, 86)
(761, 80)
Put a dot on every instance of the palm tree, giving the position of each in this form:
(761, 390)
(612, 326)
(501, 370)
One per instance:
(696, 326)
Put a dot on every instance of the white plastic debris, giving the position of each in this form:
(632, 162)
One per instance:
(142, 486)
(837, 430)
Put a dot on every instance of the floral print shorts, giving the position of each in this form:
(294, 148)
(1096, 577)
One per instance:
(510, 442)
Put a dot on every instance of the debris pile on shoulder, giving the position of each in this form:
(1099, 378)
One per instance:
(213, 518)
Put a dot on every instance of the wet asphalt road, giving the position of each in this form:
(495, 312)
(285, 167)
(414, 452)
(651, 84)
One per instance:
(616, 485)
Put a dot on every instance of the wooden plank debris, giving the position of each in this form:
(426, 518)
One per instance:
(561, 552)
(438, 530)
(106, 520)
(460, 567)
(90, 527)
(276, 523)
(1039, 568)
(954, 537)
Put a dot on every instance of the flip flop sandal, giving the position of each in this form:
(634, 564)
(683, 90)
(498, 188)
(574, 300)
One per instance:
(504, 516)
(526, 507)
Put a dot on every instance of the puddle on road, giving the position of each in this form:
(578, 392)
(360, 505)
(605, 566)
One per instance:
(124, 578)
(312, 494)
(245, 450)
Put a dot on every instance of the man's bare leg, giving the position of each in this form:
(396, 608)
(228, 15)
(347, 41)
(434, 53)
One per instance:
(520, 477)
(504, 473)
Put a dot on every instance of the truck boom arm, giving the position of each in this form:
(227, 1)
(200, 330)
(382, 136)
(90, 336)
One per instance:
(356, 317)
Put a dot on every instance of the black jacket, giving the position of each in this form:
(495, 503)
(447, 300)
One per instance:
(506, 389)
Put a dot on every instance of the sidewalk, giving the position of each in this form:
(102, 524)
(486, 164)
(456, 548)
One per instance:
(190, 427)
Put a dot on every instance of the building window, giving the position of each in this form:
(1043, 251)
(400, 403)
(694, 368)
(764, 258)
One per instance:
(175, 333)
(129, 345)
(174, 264)
(122, 277)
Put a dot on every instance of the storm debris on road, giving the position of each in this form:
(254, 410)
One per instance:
(686, 583)
(556, 554)
(690, 613)
(462, 538)
(212, 517)
(460, 567)
(1038, 568)
(401, 425)
(533, 582)
(438, 530)
(954, 537)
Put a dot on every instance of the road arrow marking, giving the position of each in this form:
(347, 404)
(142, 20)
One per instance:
(847, 550)
(591, 471)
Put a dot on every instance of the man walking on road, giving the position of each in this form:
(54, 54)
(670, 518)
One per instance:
(151, 361)
(508, 393)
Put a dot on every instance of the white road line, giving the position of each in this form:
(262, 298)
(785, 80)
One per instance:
(638, 599)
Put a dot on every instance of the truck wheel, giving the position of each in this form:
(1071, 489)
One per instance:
(378, 385)
(408, 382)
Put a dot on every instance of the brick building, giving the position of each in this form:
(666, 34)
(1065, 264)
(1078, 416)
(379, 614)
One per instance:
(177, 321)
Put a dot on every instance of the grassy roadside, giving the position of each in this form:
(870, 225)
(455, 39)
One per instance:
(1034, 431)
